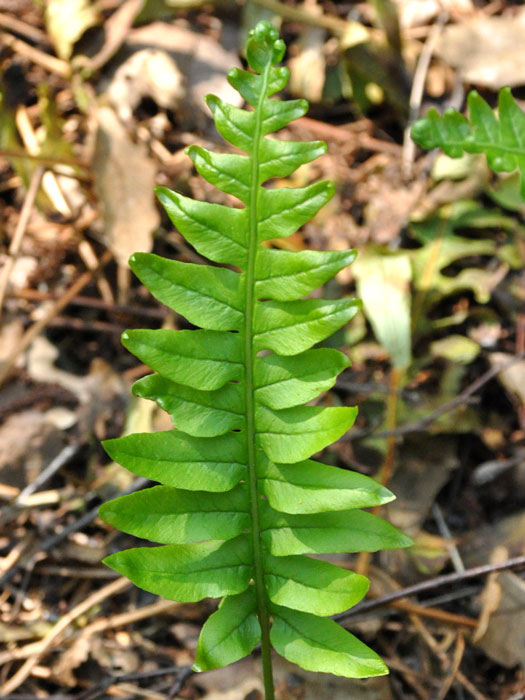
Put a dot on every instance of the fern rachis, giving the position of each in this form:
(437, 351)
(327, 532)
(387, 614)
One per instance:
(241, 503)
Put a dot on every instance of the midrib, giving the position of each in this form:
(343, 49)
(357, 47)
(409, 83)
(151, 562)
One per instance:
(262, 611)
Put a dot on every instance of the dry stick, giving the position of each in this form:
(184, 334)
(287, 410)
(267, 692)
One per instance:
(81, 170)
(94, 599)
(116, 29)
(460, 399)
(469, 687)
(409, 674)
(444, 531)
(120, 620)
(50, 184)
(94, 303)
(54, 540)
(16, 25)
(21, 226)
(50, 63)
(105, 623)
(434, 614)
(180, 682)
(436, 582)
(63, 456)
(456, 661)
(88, 255)
(39, 325)
(183, 673)
(416, 93)
(331, 133)
(334, 24)
(84, 572)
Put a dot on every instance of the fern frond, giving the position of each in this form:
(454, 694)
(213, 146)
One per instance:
(501, 138)
(240, 501)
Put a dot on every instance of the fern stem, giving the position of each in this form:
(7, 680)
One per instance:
(262, 610)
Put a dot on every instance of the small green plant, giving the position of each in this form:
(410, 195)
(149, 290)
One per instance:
(240, 502)
(502, 140)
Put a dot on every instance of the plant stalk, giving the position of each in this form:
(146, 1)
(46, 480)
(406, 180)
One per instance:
(260, 594)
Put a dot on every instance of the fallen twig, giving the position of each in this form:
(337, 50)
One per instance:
(416, 93)
(436, 582)
(21, 226)
(54, 634)
(39, 325)
(183, 673)
(64, 456)
(458, 400)
(54, 540)
(50, 63)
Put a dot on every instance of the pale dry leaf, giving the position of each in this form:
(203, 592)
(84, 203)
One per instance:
(11, 332)
(455, 348)
(314, 686)
(389, 208)
(125, 178)
(146, 73)
(238, 692)
(383, 283)
(66, 21)
(61, 417)
(414, 13)
(491, 594)
(116, 659)
(308, 65)
(41, 368)
(10, 633)
(512, 378)
(71, 659)
(477, 546)
(231, 682)
(27, 443)
(24, 268)
(203, 61)
(427, 467)
(486, 51)
(187, 634)
(504, 641)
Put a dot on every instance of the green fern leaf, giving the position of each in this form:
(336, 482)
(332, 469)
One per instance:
(502, 140)
(240, 501)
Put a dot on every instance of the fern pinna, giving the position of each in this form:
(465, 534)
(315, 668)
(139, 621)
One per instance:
(240, 502)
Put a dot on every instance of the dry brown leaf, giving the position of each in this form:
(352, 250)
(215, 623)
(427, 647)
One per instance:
(229, 683)
(307, 66)
(66, 22)
(486, 51)
(476, 547)
(146, 73)
(388, 201)
(491, 594)
(504, 641)
(117, 659)
(203, 61)
(414, 13)
(125, 178)
(41, 368)
(512, 378)
(11, 332)
(71, 659)
(27, 443)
